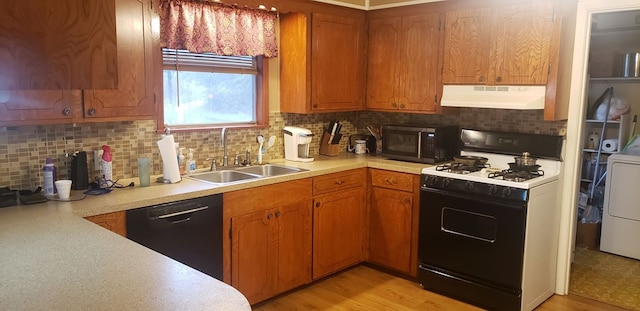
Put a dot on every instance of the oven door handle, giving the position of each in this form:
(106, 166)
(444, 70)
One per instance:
(468, 196)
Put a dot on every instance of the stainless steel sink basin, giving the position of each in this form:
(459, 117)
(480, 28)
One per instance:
(268, 170)
(224, 176)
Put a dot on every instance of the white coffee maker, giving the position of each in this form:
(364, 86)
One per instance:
(296, 144)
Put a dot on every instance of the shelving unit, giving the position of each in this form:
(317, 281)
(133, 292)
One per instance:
(615, 129)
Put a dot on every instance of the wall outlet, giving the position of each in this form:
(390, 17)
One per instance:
(97, 156)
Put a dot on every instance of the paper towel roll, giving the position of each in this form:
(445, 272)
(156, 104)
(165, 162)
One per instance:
(610, 145)
(170, 168)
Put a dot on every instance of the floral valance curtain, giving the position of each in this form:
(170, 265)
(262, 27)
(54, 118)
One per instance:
(201, 26)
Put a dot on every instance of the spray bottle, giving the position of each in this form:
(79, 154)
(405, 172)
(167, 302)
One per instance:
(49, 177)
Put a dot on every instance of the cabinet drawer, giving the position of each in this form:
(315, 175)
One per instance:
(392, 180)
(339, 181)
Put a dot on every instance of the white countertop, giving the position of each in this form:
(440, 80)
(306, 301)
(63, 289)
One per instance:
(51, 258)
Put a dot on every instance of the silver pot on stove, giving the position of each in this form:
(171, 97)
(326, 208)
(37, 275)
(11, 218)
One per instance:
(525, 159)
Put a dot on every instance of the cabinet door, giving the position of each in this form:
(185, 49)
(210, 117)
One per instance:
(338, 231)
(383, 66)
(337, 63)
(39, 107)
(254, 254)
(390, 220)
(134, 95)
(419, 76)
(294, 245)
(57, 45)
(466, 46)
(521, 43)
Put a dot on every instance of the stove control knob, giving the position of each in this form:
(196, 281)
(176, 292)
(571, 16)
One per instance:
(432, 180)
(506, 192)
(470, 185)
(446, 182)
(493, 189)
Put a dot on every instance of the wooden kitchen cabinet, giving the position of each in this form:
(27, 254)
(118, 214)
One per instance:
(393, 220)
(57, 45)
(115, 222)
(506, 45)
(404, 54)
(339, 225)
(322, 62)
(132, 99)
(268, 250)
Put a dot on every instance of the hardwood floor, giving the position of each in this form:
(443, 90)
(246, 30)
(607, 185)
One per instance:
(364, 288)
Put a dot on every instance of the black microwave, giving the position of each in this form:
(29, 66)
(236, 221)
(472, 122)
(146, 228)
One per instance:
(417, 143)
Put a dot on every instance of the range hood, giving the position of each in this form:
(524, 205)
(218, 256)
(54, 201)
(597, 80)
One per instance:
(499, 97)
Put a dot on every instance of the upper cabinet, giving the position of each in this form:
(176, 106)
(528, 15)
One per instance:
(58, 45)
(321, 63)
(508, 45)
(131, 99)
(402, 71)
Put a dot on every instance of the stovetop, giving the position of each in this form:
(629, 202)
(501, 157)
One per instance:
(497, 172)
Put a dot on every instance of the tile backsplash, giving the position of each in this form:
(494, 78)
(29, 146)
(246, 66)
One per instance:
(23, 149)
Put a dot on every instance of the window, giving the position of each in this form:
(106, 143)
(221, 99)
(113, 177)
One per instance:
(209, 90)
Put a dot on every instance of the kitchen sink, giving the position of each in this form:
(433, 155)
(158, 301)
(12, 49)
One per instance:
(236, 174)
(268, 170)
(224, 176)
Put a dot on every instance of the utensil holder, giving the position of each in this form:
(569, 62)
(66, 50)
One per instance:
(326, 148)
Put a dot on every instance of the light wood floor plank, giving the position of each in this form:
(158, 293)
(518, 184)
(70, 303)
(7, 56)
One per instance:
(364, 288)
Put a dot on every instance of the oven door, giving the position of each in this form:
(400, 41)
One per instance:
(473, 238)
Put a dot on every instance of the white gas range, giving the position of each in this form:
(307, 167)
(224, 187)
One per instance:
(488, 231)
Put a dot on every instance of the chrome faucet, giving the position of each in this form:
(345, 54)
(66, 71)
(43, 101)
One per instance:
(225, 157)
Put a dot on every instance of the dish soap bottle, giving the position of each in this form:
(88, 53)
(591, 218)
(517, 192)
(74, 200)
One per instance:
(105, 164)
(181, 160)
(49, 177)
(191, 163)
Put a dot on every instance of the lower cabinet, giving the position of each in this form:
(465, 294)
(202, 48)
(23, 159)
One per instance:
(269, 242)
(393, 216)
(115, 222)
(338, 221)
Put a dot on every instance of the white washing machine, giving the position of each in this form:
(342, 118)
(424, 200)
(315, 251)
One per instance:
(621, 210)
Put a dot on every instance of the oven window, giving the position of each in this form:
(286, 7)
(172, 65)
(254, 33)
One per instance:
(469, 224)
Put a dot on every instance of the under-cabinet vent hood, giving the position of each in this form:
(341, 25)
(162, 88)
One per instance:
(499, 97)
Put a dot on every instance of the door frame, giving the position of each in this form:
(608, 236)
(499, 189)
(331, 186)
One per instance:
(575, 129)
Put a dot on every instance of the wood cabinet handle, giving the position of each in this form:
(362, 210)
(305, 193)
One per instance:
(390, 181)
(481, 78)
(317, 204)
(339, 182)
(92, 111)
(269, 216)
(66, 111)
(498, 79)
(278, 214)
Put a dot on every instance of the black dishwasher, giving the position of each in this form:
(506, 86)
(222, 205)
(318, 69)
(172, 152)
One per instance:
(188, 231)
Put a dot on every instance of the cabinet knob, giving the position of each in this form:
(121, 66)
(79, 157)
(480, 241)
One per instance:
(315, 105)
(406, 200)
(91, 111)
(66, 111)
(390, 181)
(339, 182)
(278, 214)
(401, 105)
(481, 78)
(498, 79)
(317, 204)
(269, 216)
(394, 105)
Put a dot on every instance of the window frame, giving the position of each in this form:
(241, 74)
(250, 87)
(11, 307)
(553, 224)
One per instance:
(261, 105)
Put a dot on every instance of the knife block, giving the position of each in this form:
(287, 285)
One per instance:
(326, 148)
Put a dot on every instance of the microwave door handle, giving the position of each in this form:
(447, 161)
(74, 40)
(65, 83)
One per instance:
(419, 145)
